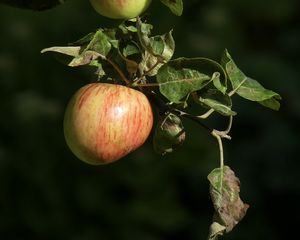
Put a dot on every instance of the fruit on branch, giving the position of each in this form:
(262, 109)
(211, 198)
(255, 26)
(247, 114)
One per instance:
(120, 9)
(104, 122)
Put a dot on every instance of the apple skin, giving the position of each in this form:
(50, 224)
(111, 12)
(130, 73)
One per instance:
(120, 9)
(104, 122)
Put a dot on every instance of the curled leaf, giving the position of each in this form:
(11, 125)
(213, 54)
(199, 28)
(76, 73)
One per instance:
(157, 50)
(214, 99)
(216, 230)
(224, 191)
(69, 51)
(169, 134)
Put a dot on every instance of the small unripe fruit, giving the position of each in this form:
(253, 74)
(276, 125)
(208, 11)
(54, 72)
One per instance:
(104, 122)
(120, 9)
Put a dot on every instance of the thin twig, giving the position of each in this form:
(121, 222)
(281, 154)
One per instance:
(165, 109)
(146, 85)
(145, 73)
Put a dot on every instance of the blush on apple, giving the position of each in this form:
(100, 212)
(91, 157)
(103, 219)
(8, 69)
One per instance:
(120, 9)
(104, 122)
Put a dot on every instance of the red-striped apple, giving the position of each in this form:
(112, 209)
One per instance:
(104, 122)
(120, 9)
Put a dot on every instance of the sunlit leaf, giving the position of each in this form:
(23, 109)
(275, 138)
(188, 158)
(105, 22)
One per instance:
(182, 76)
(70, 51)
(100, 43)
(249, 88)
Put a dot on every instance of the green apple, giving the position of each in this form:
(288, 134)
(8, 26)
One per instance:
(104, 122)
(120, 9)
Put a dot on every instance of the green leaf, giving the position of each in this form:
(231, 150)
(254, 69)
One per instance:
(64, 54)
(94, 46)
(169, 134)
(127, 29)
(214, 99)
(176, 6)
(218, 84)
(271, 103)
(216, 230)
(130, 49)
(70, 51)
(100, 43)
(249, 88)
(224, 191)
(180, 77)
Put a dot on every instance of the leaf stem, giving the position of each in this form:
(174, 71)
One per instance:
(230, 94)
(207, 114)
(217, 135)
(233, 91)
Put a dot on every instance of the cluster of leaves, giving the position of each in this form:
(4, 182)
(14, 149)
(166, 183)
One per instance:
(129, 54)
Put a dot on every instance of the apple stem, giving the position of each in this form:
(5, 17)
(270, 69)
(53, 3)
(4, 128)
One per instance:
(119, 71)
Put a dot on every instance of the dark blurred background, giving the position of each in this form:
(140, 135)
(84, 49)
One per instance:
(46, 193)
